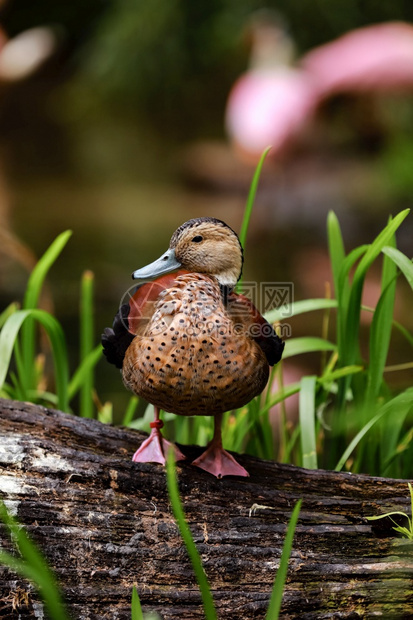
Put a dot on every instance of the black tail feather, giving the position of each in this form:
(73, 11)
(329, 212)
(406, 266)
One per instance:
(273, 347)
(116, 340)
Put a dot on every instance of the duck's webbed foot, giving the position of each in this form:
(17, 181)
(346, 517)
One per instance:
(218, 462)
(155, 448)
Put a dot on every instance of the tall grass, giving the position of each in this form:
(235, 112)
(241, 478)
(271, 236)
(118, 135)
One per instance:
(87, 339)
(250, 204)
(22, 374)
(360, 397)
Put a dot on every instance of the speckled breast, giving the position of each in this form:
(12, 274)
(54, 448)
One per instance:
(192, 359)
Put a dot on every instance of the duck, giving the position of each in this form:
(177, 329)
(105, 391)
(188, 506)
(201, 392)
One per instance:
(189, 344)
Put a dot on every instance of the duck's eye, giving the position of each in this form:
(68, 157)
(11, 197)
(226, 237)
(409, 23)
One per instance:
(198, 239)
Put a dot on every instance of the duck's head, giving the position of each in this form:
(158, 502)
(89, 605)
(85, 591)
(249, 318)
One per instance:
(202, 245)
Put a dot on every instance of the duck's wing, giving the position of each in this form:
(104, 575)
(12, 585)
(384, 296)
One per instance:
(244, 314)
(133, 317)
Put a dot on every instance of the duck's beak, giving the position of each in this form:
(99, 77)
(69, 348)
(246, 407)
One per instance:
(166, 263)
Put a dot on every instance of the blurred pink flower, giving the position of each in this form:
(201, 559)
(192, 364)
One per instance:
(271, 106)
(376, 58)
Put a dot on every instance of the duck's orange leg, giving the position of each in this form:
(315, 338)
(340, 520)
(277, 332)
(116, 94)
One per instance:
(216, 460)
(155, 448)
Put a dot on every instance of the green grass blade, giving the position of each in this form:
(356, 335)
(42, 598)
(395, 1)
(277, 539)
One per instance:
(336, 249)
(260, 432)
(391, 433)
(353, 444)
(278, 587)
(299, 307)
(379, 243)
(251, 197)
(54, 330)
(349, 348)
(89, 362)
(19, 392)
(60, 358)
(404, 264)
(287, 391)
(380, 334)
(136, 609)
(237, 426)
(130, 411)
(39, 273)
(28, 551)
(405, 442)
(406, 532)
(307, 422)
(44, 396)
(20, 567)
(86, 405)
(291, 445)
(400, 328)
(349, 261)
(297, 346)
(329, 377)
(11, 309)
(209, 607)
(354, 307)
(344, 296)
(7, 392)
(387, 514)
(337, 258)
(381, 327)
(8, 336)
(31, 299)
(142, 423)
(294, 388)
(404, 332)
(32, 566)
(250, 203)
(405, 399)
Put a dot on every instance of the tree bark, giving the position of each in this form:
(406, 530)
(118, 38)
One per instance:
(105, 524)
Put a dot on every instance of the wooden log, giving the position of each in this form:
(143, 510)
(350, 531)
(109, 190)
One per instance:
(105, 524)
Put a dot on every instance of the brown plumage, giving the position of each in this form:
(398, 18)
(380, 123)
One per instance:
(188, 344)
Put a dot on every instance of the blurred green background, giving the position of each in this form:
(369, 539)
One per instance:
(120, 137)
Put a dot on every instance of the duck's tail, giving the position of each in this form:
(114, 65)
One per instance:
(116, 340)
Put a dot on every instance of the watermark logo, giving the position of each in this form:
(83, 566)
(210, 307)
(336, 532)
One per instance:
(138, 305)
(268, 296)
(278, 296)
